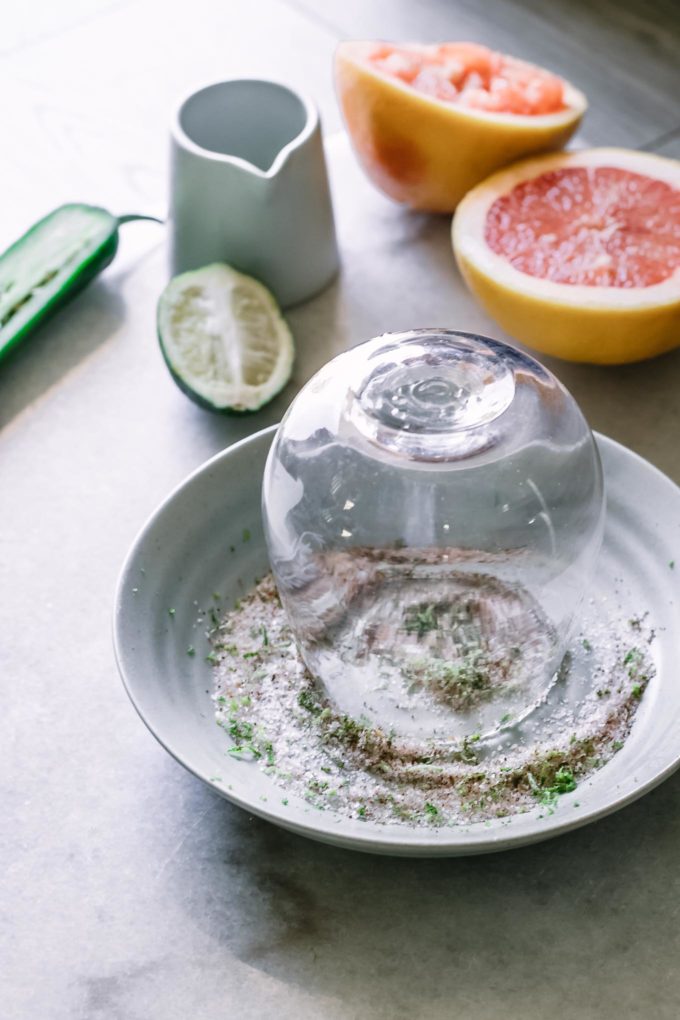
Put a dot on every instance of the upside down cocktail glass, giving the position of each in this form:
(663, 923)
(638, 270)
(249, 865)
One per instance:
(433, 505)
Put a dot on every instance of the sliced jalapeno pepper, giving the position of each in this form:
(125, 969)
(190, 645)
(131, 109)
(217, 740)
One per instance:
(53, 260)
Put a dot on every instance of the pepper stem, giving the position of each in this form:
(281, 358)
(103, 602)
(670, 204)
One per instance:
(131, 217)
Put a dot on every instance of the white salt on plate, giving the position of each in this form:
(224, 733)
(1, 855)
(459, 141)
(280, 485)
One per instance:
(276, 718)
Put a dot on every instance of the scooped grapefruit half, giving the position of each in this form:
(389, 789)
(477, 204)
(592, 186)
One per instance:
(430, 122)
(578, 254)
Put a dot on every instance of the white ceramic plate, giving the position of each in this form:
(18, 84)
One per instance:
(207, 537)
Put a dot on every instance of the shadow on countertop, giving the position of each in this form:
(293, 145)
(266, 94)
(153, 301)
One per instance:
(58, 346)
(583, 925)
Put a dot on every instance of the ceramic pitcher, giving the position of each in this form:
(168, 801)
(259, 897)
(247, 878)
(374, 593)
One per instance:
(249, 187)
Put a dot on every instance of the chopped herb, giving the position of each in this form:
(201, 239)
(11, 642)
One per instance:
(634, 659)
(349, 729)
(431, 810)
(171, 612)
(230, 649)
(318, 785)
(246, 535)
(634, 656)
(240, 731)
(672, 564)
(563, 781)
(191, 650)
(467, 753)
(587, 645)
(244, 751)
(459, 684)
(420, 620)
(307, 700)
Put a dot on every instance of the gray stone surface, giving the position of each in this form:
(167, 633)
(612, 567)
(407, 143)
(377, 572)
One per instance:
(130, 891)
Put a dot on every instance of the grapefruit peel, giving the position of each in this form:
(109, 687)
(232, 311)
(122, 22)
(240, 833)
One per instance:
(427, 152)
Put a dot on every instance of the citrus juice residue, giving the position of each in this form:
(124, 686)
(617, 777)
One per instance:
(473, 76)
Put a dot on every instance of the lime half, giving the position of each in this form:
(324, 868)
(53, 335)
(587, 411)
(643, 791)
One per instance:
(224, 339)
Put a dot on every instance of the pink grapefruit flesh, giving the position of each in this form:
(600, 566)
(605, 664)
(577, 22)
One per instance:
(591, 226)
(472, 76)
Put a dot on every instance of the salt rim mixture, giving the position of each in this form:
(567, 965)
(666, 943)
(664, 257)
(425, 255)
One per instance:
(274, 715)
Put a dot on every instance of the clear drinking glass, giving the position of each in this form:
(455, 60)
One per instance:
(433, 505)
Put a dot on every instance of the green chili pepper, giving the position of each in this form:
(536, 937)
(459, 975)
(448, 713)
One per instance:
(53, 260)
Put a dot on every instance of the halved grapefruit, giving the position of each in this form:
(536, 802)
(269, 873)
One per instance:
(578, 254)
(430, 122)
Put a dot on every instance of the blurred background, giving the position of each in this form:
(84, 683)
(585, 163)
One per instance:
(89, 84)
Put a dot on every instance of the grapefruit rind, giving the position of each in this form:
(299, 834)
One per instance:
(600, 325)
(427, 153)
